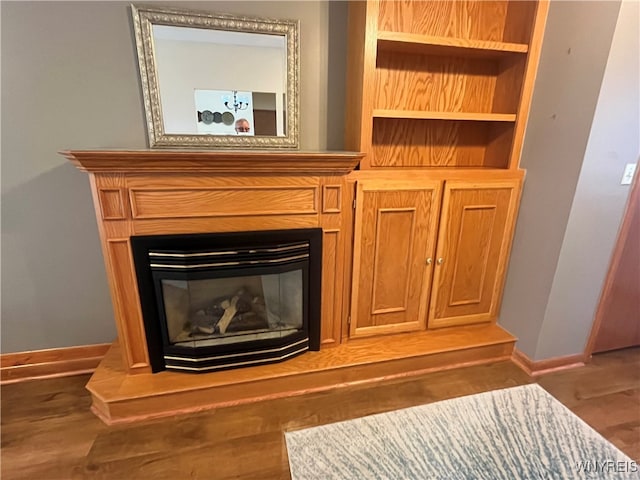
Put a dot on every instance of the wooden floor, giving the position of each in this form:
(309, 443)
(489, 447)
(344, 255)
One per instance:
(49, 433)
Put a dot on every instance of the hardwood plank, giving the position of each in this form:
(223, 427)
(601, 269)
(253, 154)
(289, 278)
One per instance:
(605, 393)
(198, 461)
(69, 442)
(63, 396)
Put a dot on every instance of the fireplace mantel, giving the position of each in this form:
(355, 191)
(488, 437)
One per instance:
(214, 162)
(158, 192)
(162, 192)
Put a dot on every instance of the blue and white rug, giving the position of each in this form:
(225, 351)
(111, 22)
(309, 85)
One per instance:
(513, 434)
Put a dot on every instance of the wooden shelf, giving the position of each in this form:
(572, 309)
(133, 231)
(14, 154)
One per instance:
(421, 115)
(432, 45)
(437, 142)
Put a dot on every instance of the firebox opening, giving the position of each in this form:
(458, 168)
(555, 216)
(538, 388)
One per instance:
(217, 301)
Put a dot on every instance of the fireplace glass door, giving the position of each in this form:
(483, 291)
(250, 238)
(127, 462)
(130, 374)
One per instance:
(220, 301)
(219, 311)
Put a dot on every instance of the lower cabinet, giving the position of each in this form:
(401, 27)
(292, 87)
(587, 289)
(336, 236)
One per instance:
(430, 254)
(474, 239)
(393, 243)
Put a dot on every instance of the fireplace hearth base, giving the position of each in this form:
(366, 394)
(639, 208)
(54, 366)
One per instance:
(122, 398)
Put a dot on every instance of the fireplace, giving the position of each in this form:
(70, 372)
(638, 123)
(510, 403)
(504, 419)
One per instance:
(151, 198)
(227, 300)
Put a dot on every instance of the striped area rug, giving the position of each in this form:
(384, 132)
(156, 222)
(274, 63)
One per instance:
(513, 434)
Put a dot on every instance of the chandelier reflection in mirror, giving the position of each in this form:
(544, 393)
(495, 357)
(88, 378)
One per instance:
(239, 103)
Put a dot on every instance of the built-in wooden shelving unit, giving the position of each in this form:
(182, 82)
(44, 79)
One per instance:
(437, 88)
(442, 83)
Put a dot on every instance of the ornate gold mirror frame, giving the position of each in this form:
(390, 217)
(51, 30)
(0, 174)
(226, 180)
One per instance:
(192, 23)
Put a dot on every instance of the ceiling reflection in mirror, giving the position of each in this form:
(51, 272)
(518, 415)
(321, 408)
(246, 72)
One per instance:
(217, 80)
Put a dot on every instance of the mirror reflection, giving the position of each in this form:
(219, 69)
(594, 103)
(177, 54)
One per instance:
(217, 80)
(239, 90)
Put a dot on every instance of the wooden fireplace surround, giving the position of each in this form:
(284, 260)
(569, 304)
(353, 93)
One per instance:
(167, 192)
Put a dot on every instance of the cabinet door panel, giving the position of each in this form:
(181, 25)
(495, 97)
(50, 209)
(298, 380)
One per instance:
(473, 246)
(394, 236)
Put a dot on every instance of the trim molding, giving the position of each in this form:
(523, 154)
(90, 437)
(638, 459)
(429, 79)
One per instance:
(51, 363)
(539, 367)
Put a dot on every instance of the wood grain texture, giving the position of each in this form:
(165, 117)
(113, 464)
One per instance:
(499, 142)
(508, 86)
(605, 394)
(464, 19)
(347, 277)
(394, 236)
(530, 71)
(617, 320)
(222, 201)
(435, 57)
(520, 21)
(159, 202)
(331, 199)
(223, 224)
(460, 47)
(211, 161)
(113, 204)
(437, 115)
(473, 244)
(125, 398)
(114, 238)
(55, 362)
(434, 83)
(332, 264)
(126, 303)
(48, 431)
(434, 143)
(244, 442)
(442, 174)
(361, 53)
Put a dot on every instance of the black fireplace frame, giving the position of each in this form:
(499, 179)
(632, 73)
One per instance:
(151, 305)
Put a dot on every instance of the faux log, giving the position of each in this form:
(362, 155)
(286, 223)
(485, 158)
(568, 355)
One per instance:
(247, 321)
(229, 313)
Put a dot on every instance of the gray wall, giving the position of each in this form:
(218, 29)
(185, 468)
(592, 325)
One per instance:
(70, 80)
(546, 295)
(599, 202)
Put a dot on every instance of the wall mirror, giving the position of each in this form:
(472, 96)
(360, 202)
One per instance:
(217, 80)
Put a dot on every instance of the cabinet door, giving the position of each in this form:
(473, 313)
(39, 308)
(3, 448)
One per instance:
(394, 240)
(473, 246)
